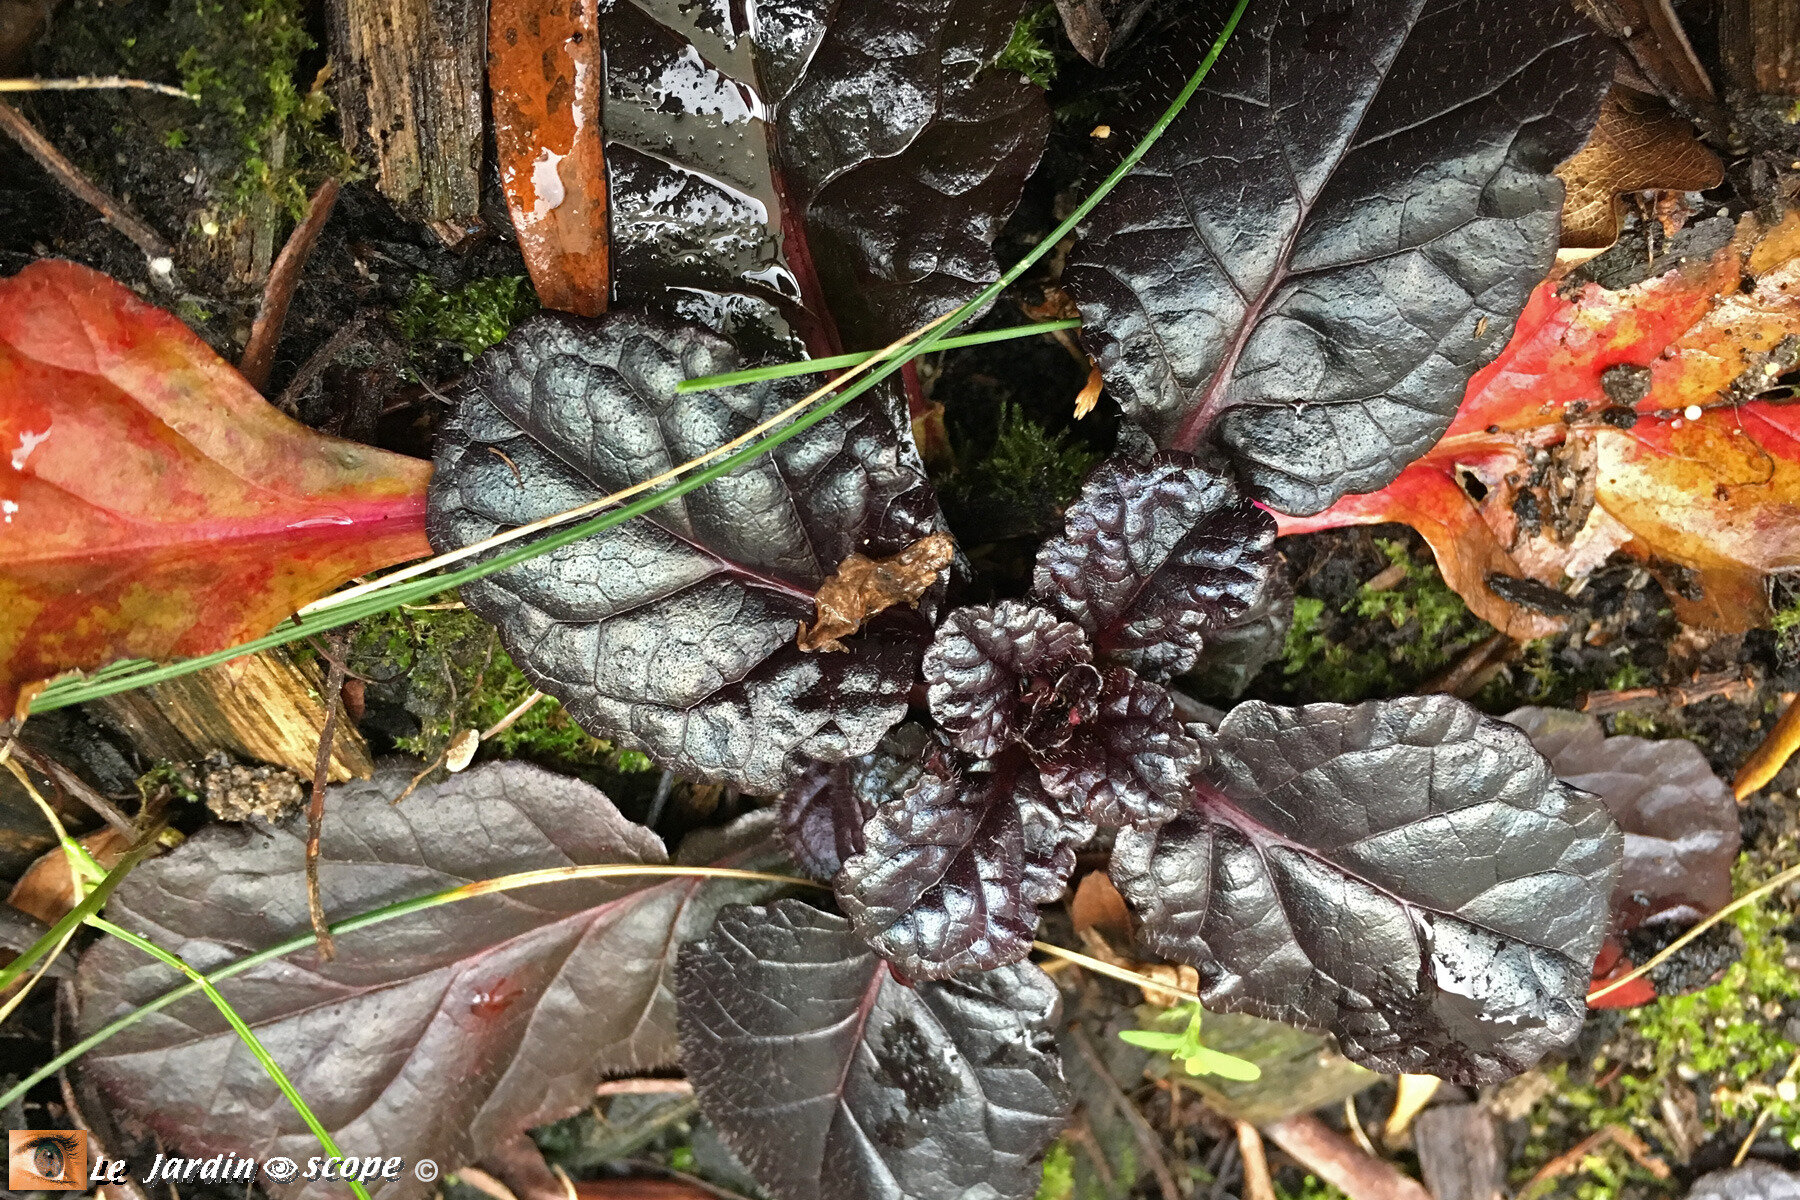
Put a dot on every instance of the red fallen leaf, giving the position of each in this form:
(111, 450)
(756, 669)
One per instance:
(1612, 964)
(546, 72)
(152, 505)
(1580, 439)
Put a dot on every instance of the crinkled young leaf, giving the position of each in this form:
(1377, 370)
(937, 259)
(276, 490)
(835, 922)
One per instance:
(984, 657)
(823, 812)
(1130, 762)
(439, 1035)
(832, 174)
(1155, 557)
(1408, 875)
(1236, 654)
(1338, 231)
(1680, 819)
(674, 632)
(940, 886)
(831, 1080)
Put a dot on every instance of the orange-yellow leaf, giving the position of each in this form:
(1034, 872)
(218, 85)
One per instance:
(545, 73)
(1632, 419)
(152, 505)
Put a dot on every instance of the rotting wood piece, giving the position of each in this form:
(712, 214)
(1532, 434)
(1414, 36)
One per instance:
(1759, 41)
(409, 77)
(1460, 1153)
(264, 707)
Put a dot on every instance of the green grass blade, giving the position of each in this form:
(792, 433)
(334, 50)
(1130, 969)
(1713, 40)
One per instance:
(68, 692)
(245, 1035)
(818, 366)
(89, 905)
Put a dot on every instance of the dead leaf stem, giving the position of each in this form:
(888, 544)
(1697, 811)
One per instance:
(284, 277)
(78, 184)
(315, 809)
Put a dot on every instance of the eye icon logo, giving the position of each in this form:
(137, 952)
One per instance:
(46, 1160)
(281, 1169)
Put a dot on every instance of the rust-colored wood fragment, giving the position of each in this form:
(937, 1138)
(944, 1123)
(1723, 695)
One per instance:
(545, 73)
(1759, 41)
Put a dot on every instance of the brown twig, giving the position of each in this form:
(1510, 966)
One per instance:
(318, 360)
(65, 780)
(1729, 684)
(1258, 1183)
(1335, 1159)
(71, 177)
(504, 723)
(1474, 668)
(1571, 1159)
(284, 277)
(1146, 1137)
(315, 810)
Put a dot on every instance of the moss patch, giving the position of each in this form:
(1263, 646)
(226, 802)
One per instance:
(1029, 50)
(468, 319)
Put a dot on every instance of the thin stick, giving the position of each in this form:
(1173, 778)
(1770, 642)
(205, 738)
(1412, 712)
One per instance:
(75, 786)
(1258, 1183)
(1146, 1137)
(1111, 972)
(85, 83)
(72, 178)
(1674, 947)
(284, 277)
(316, 362)
(510, 719)
(315, 809)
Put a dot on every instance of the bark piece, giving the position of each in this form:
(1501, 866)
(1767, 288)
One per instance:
(264, 706)
(1760, 43)
(547, 73)
(409, 85)
(1341, 1162)
(1459, 1152)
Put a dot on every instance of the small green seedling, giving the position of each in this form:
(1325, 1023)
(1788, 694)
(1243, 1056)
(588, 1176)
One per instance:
(1186, 1048)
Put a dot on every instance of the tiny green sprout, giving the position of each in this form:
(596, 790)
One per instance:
(1185, 1046)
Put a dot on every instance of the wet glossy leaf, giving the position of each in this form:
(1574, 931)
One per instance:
(829, 1078)
(1680, 820)
(1752, 1181)
(437, 1035)
(1234, 655)
(823, 812)
(831, 174)
(1583, 438)
(1154, 557)
(675, 632)
(983, 662)
(1407, 875)
(152, 505)
(1128, 763)
(1337, 232)
(545, 72)
(941, 885)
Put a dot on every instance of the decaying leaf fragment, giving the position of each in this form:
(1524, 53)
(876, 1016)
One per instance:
(1638, 145)
(1623, 419)
(864, 586)
(152, 504)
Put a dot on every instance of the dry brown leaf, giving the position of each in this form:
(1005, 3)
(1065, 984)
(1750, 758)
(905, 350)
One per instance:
(1090, 392)
(1097, 905)
(1639, 145)
(864, 586)
(47, 889)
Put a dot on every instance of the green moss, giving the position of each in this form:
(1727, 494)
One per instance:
(165, 774)
(469, 318)
(1311, 1188)
(1027, 52)
(1059, 1174)
(256, 132)
(1029, 472)
(1436, 627)
(452, 674)
(1726, 1040)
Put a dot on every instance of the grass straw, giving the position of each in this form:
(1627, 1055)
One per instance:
(815, 366)
(245, 1035)
(127, 677)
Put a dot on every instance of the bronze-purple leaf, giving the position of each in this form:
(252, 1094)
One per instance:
(438, 1035)
(1129, 762)
(832, 1080)
(1407, 875)
(1154, 558)
(674, 632)
(1337, 232)
(983, 662)
(823, 812)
